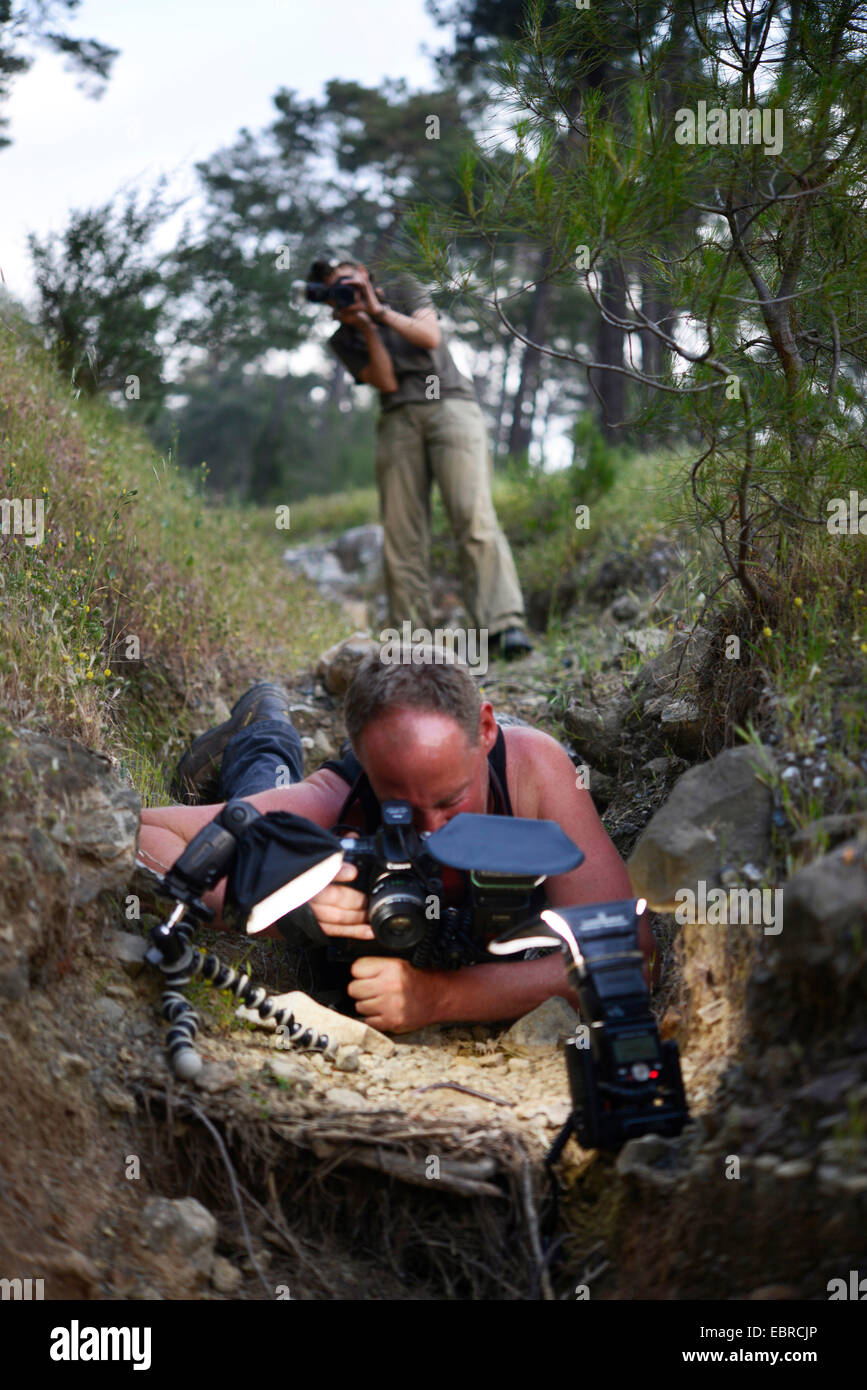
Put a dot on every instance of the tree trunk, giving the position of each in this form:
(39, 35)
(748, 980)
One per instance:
(609, 348)
(523, 403)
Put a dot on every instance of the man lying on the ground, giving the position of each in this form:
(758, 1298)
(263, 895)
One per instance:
(420, 733)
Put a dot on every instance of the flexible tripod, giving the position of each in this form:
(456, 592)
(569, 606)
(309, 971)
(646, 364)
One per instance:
(203, 863)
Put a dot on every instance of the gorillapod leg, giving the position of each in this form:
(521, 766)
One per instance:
(177, 1009)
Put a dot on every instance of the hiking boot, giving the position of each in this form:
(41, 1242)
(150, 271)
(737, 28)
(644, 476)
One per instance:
(512, 644)
(197, 776)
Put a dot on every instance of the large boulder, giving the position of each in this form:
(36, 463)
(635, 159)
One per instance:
(812, 977)
(718, 815)
(351, 560)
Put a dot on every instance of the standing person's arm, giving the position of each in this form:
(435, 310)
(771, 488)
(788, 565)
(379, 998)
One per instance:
(378, 371)
(419, 328)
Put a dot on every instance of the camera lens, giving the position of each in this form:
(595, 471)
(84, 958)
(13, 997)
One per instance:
(397, 911)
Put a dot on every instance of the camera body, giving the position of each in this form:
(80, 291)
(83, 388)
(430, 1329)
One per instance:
(341, 294)
(398, 877)
(400, 872)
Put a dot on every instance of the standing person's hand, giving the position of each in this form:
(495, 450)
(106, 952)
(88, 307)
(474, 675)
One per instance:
(355, 316)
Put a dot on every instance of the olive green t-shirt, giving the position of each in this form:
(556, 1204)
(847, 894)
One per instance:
(413, 366)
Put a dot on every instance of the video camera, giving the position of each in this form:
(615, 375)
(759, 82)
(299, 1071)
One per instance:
(624, 1080)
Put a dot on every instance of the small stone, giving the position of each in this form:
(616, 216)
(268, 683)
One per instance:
(109, 1011)
(183, 1229)
(347, 1058)
(343, 1099)
(69, 1064)
(287, 1069)
(225, 1277)
(119, 991)
(492, 1059)
(794, 1168)
(216, 1076)
(545, 1026)
(625, 609)
(120, 1102)
(129, 950)
(752, 873)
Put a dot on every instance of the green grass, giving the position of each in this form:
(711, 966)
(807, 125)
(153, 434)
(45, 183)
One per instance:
(141, 591)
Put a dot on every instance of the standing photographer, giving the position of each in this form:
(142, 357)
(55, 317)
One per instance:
(430, 429)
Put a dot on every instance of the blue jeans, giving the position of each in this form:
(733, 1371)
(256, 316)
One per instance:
(261, 757)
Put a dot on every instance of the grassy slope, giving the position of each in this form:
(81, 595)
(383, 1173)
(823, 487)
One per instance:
(132, 550)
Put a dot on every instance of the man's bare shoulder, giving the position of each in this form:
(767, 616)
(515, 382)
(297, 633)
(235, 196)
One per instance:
(533, 759)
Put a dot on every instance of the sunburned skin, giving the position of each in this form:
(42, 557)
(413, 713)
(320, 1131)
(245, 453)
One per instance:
(426, 758)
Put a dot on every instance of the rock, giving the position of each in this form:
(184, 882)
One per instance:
(287, 1069)
(682, 726)
(829, 831)
(554, 1113)
(338, 1027)
(14, 982)
(337, 666)
(638, 1159)
(648, 641)
(601, 787)
(320, 565)
(67, 1065)
(664, 767)
(225, 1277)
(659, 676)
(341, 1098)
(596, 733)
(543, 1027)
(324, 745)
(716, 811)
(129, 949)
(351, 559)
(109, 1010)
(119, 991)
(68, 831)
(347, 1058)
(216, 1076)
(359, 551)
(625, 609)
(119, 1102)
(829, 1089)
(182, 1229)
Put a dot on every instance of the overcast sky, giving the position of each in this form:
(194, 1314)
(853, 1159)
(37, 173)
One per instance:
(189, 75)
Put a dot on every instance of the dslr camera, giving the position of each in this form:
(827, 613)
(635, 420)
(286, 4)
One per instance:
(399, 870)
(342, 294)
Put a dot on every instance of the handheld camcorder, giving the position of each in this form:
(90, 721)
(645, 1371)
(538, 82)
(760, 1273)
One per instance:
(624, 1080)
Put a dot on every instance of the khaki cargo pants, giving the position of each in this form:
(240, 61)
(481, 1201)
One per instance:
(443, 442)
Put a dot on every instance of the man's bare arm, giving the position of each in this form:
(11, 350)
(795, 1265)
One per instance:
(167, 830)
